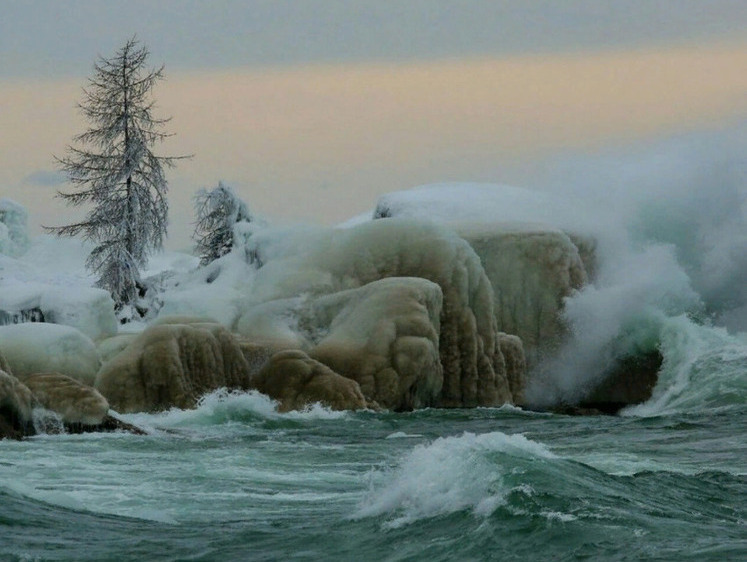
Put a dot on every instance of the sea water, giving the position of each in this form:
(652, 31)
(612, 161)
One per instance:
(234, 479)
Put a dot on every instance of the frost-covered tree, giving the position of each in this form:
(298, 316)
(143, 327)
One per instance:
(114, 169)
(218, 212)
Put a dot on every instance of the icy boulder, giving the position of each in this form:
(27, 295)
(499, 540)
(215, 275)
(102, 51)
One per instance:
(41, 348)
(14, 239)
(384, 335)
(173, 365)
(16, 404)
(532, 268)
(296, 381)
(337, 260)
(75, 403)
(516, 365)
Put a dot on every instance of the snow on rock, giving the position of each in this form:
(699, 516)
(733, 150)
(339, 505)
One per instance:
(14, 239)
(310, 264)
(450, 203)
(76, 403)
(41, 348)
(212, 291)
(173, 365)
(296, 381)
(87, 309)
(528, 246)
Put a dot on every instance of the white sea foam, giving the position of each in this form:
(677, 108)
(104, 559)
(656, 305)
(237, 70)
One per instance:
(448, 475)
(223, 406)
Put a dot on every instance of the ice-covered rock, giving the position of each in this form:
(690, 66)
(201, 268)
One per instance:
(516, 365)
(16, 404)
(41, 348)
(14, 239)
(173, 365)
(325, 262)
(110, 347)
(384, 335)
(532, 269)
(296, 381)
(76, 403)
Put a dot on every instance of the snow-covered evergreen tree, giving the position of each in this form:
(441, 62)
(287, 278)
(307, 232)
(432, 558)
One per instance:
(218, 212)
(115, 170)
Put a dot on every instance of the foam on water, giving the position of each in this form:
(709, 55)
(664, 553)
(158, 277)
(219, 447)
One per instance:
(448, 475)
(224, 406)
(704, 368)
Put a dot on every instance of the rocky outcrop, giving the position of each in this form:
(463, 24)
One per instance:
(516, 365)
(385, 336)
(173, 365)
(630, 381)
(74, 402)
(296, 381)
(338, 260)
(532, 269)
(16, 404)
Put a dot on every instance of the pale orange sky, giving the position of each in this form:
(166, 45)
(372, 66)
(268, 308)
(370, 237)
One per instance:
(323, 142)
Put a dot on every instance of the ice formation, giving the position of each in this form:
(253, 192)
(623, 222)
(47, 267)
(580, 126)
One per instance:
(296, 381)
(173, 365)
(532, 269)
(335, 260)
(76, 403)
(43, 348)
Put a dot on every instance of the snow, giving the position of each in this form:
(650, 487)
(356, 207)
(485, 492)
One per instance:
(43, 348)
(14, 239)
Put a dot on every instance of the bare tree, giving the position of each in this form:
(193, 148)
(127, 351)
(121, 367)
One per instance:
(115, 170)
(218, 212)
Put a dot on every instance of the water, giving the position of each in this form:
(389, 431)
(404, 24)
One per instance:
(235, 480)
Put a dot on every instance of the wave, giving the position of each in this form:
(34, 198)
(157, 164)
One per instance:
(452, 474)
(704, 367)
(224, 406)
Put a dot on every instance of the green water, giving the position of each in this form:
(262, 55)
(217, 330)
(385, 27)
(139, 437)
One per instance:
(234, 480)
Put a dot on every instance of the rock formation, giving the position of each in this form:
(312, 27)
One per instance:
(339, 260)
(173, 365)
(16, 404)
(532, 268)
(516, 365)
(75, 403)
(296, 381)
(384, 335)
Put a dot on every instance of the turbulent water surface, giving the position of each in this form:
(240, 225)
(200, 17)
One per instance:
(235, 480)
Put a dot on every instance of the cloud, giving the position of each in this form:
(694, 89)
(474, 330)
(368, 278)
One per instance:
(44, 178)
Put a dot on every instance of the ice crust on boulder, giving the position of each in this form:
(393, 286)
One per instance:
(296, 381)
(533, 269)
(315, 263)
(76, 403)
(173, 365)
(40, 348)
(384, 335)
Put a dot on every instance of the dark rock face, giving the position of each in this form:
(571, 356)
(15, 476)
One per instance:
(19, 317)
(630, 382)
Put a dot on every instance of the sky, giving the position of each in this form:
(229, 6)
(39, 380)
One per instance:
(311, 109)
